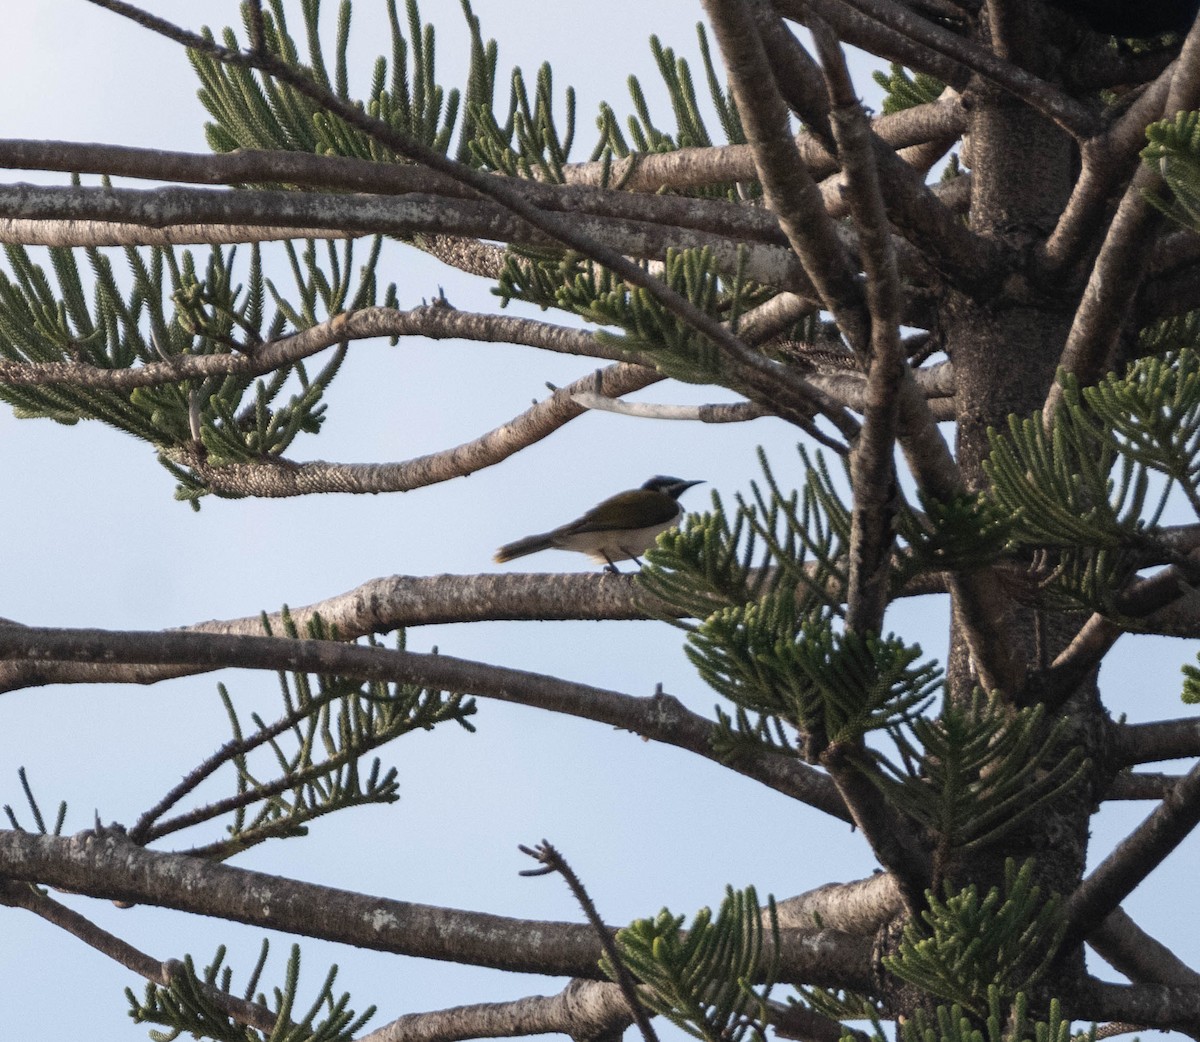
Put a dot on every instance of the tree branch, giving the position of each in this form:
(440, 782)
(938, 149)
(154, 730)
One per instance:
(1107, 302)
(876, 495)
(107, 865)
(27, 896)
(1143, 599)
(858, 908)
(883, 826)
(789, 191)
(74, 232)
(924, 36)
(792, 196)
(659, 717)
(553, 861)
(701, 167)
(369, 178)
(1128, 949)
(719, 412)
(862, 31)
(398, 601)
(639, 173)
(409, 216)
(798, 1021)
(585, 1010)
(1134, 858)
(1150, 1005)
(438, 321)
(1160, 740)
(1106, 161)
(1130, 785)
(281, 478)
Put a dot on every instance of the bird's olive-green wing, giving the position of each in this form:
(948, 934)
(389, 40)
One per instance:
(640, 508)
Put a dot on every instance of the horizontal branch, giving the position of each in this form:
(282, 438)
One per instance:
(582, 194)
(106, 865)
(404, 216)
(859, 908)
(584, 1009)
(400, 601)
(587, 185)
(700, 167)
(1148, 1005)
(72, 233)
(1160, 740)
(368, 178)
(1131, 785)
(659, 717)
(716, 412)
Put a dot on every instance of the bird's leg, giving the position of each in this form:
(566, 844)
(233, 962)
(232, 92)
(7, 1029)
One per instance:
(610, 567)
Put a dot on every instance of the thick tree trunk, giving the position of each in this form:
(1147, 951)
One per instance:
(1005, 349)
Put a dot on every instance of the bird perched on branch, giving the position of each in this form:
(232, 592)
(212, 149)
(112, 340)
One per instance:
(1132, 18)
(622, 528)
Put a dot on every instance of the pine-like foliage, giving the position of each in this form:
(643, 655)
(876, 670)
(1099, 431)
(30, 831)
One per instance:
(250, 111)
(649, 332)
(906, 90)
(690, 129)
(171, 307)
(1091, 490)
(704, 979)
(308, 763)
(970, 944)
(191, 1003)
(978, 770)
(768, 638)
(1007, 1020)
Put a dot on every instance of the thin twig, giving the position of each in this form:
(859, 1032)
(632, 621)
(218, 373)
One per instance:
(27, 896)
(552, 861)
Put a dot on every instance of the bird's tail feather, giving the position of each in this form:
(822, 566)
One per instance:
(531, 544)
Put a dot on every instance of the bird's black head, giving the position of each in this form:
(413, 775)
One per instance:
(668, 486)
